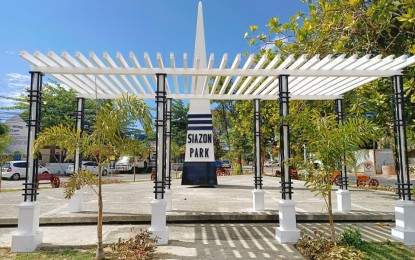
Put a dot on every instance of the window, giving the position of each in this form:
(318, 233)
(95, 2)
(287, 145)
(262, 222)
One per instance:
(6, 165)
(20, 165)
(90, 164)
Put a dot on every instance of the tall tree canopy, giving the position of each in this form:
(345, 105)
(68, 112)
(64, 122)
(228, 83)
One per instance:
(354, 27)
(58, 106)
(179, 112)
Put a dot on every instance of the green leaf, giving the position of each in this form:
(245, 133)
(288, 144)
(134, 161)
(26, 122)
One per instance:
(253, 28)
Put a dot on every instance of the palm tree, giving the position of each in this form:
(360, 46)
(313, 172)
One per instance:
(331, 141)
(106, 139)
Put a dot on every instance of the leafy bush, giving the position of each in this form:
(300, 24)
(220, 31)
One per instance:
(237, 169)
(139, 247)
(352, 237)
(342, 252)
(314, 247)
(319, 248)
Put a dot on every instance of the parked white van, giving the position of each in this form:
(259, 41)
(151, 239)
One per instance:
(127, 163)
(15, 170)
(91, 166)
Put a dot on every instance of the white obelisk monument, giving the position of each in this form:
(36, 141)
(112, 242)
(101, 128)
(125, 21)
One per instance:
(199, 166)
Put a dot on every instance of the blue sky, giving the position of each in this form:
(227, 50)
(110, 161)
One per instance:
(124, 25)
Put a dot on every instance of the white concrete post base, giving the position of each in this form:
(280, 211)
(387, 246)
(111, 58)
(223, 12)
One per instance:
(76, 202)
(168, 194)
(27, 237)
(258, 200)
(287, 232)
(344, 200)
(158, 227)
(404, 231)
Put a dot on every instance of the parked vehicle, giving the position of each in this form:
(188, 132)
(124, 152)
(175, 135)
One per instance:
(218, 163)
(91, 166)
(15, 170)
(226, 164)
(177, 166)
(127, 163)
(271, 163)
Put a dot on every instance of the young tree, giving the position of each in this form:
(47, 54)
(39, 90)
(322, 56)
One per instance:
(106, 139)
(331, 141)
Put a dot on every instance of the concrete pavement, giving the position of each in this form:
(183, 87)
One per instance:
(205, 222)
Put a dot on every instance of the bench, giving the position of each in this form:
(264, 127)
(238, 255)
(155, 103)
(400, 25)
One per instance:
(220, 171)
(365, 180)
(50, 178)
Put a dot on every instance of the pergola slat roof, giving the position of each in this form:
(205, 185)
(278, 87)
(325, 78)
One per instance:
(310, 78)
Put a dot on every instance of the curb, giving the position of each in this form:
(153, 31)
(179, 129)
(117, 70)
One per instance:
(203, 217)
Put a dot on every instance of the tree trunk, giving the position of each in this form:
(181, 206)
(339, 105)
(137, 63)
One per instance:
(263, 153)
(135, 163)
(100, 249)
(331, 220)
(239, 162)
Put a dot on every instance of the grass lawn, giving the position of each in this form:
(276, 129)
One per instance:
(67, 253)
(388, 251)
(373, 251)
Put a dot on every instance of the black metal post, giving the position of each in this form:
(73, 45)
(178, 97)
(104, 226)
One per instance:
(257, 148)
(286, 184)
(401, 158)
(79, 117)
(168, 143)
(159, 182)
(340, 119)
(35, 96)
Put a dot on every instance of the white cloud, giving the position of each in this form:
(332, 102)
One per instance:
(17, 80)
(9, 52)
(7, 103)
(13, 85)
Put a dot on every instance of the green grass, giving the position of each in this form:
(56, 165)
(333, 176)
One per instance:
(55, 254)
(387, 251)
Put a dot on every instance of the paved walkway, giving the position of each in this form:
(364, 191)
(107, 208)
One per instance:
(205, 222)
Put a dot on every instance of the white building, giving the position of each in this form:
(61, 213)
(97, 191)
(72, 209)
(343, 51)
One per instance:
(18, 131)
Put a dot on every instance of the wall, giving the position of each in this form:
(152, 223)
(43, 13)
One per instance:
(18, 131)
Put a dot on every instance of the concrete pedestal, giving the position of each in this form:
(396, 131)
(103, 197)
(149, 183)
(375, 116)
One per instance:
(344, 200)
(158, 227)
(404, 231)
(287, 232)
(258, 200)
(168, 196)
(76, 202)
(27, 237)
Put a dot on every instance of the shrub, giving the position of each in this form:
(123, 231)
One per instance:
(237, 170)
(141, 246)
(342, 252)
(352, 237)
(314, 247)
(319, 248)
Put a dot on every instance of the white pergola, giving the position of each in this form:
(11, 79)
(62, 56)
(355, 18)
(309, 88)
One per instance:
(311, 78)
(296, 78)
